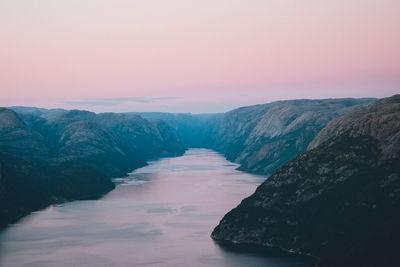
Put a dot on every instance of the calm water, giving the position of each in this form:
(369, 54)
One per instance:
(161, 215)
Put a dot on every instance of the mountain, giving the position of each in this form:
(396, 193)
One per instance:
(52, 148)
(260, 138)
(338, 202)
(192, 130)
(109, 142)
(263, 137)
(50, 156)
(29, 180)
(38, 112)
(19, 139)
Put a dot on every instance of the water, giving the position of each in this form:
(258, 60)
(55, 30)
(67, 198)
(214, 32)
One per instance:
(161, 215)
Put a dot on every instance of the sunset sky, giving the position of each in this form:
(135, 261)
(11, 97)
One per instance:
(195, 56)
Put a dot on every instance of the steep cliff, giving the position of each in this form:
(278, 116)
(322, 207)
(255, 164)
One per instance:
(263, 137)
(338, 201)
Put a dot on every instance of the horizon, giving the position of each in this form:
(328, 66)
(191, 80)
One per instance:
(191, 113)
(149, 107)
(198, 57)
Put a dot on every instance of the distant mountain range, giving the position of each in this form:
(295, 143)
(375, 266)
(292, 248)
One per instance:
(339, 201)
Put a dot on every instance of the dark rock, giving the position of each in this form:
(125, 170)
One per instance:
(338, 201)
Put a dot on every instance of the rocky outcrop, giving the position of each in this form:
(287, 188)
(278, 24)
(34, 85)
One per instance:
(263, 137)
(373, 123)
(338, 201)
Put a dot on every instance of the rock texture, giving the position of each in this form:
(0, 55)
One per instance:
(338, 202)
(263, 137)
(381, 122)
(48, 156)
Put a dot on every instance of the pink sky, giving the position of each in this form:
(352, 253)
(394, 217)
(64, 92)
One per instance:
(195, 56)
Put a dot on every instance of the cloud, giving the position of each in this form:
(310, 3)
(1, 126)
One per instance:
(115, 101)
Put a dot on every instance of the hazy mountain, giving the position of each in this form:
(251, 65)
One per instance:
(38, 112)
(263, 137)
(338, 202)
(193, 130)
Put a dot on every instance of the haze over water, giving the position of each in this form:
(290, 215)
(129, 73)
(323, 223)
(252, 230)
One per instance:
(161, 215)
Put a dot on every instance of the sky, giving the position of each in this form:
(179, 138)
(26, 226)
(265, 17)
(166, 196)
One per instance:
(195, 56)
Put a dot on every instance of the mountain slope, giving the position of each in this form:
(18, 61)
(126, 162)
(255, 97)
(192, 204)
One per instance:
(263, 137)
(17, 138)
(338, 201)
(70, 155)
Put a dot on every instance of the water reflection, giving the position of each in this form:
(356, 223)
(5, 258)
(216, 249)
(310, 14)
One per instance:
(160, 215)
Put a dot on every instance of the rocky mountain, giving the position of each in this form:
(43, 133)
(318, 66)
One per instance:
(42, 143)
(263, 137)
(48, 156)
(337, 202)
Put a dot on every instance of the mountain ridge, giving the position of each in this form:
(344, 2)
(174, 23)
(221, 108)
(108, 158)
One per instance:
(338, 201)
(263, 137)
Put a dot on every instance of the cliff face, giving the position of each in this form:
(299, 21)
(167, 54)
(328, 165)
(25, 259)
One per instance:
(338, 201)
(263, 137)
(381, 122)
(59, 155)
